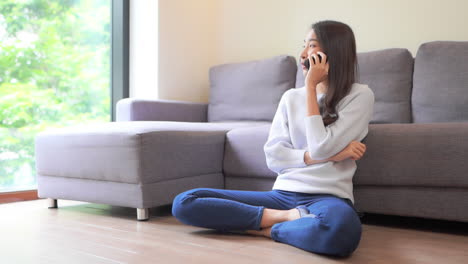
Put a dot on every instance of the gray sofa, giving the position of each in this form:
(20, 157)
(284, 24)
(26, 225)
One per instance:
(417, 145)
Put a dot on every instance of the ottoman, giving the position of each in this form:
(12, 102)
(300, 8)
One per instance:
(138, 164)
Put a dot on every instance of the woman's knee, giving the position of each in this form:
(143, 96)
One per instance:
(180, 204)
(345, 229)
(337, 231)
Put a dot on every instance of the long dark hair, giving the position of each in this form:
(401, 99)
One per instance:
(337, 42)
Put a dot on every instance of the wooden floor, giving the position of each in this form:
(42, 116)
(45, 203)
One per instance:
(93, 233)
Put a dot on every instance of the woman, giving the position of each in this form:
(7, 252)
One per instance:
(312, 145)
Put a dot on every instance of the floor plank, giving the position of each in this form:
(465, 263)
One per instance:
(80, 232)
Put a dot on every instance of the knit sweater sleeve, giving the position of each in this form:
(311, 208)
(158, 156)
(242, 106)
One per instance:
(279, 151)
(352, 124)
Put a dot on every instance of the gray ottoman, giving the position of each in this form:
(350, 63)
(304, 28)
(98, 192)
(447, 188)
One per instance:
(139, 164)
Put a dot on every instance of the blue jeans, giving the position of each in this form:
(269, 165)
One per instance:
(335, 229)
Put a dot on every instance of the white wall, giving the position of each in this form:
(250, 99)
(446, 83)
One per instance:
(264, 28)
(143, 75)
(204, 33)
(187, 43)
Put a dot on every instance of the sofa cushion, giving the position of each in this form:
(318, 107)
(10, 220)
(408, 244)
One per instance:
(424, 155)
(134, 152)
(300, 78)
(440, 87)
(389, 74)
(244, 155)
(249, 90)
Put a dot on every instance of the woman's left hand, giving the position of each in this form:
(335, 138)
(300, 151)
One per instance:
(318, 71)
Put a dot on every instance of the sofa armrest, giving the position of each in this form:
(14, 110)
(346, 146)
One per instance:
(132, 109)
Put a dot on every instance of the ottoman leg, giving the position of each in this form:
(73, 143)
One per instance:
(52, 203)
(142, 214)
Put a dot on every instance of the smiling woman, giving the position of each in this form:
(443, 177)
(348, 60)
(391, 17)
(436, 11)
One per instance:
(55, 65)
(311, 204)
(333, 41)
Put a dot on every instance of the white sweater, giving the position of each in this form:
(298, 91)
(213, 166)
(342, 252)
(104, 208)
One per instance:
(292, 133)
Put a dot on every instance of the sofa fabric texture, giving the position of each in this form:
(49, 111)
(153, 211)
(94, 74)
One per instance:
(389, 73)
(135, 152)
(249, 90)
(440, 88)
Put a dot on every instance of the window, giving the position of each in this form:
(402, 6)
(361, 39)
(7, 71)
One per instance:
(56, 64)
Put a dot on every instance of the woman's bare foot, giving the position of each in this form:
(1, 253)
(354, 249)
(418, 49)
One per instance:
(273, 216)
(266, 232)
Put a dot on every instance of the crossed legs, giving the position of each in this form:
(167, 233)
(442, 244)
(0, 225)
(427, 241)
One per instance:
(334, 229)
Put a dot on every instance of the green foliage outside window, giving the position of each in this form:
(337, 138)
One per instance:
(54, 72)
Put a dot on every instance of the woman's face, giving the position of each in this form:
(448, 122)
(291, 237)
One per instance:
(311, 46)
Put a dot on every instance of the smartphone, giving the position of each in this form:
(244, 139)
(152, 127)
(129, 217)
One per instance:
(307, 62)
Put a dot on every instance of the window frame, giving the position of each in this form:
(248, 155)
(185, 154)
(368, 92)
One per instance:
(18, 196)
(120, 53)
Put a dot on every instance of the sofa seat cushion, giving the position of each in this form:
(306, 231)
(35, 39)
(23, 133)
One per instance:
(249, 90)
(440, 87)
(244, 155)
(424, 155)
(134, 152)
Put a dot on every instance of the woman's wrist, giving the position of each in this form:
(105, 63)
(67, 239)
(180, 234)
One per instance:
(311, 86)
(309, 161)
(313, 107)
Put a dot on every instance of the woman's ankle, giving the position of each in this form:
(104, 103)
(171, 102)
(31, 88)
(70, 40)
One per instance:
(273, 216)
(293, 214)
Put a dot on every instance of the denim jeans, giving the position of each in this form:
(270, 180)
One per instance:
(335, 228)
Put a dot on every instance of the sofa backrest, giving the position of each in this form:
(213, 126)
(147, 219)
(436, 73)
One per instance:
(436, 91)
(249, 90)
(389, 74)
(440, 82)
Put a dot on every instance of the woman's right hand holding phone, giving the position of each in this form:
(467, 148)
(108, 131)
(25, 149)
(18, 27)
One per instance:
(318, 70)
